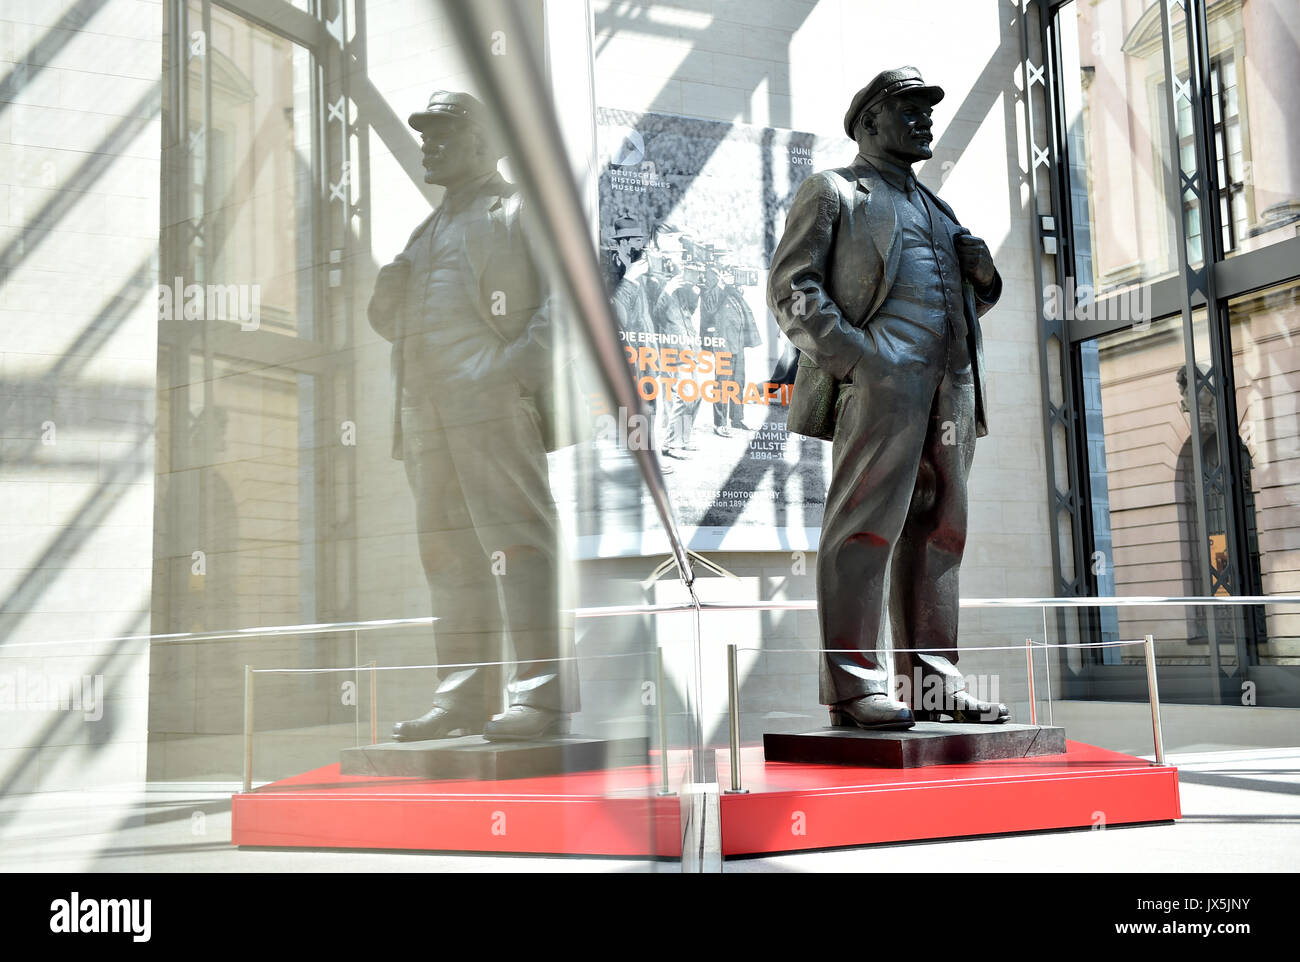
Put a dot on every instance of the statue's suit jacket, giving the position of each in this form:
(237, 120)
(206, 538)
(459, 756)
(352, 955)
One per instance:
(502, 280)
(834, 267)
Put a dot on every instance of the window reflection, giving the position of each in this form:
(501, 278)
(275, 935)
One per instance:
(1141, 414)
(1113, 69)
(251, 201)
(1115, 101)
(1266, 363)
(1256, 119)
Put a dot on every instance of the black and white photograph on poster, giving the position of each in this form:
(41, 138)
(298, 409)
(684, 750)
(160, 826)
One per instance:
(690, 211)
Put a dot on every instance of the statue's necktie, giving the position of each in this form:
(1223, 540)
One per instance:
(915, 199)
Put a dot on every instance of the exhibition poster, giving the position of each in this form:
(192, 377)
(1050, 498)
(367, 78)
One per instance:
(690, 212)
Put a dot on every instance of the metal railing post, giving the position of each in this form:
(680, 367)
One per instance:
(1047, 663)
(1149, 648)
(663, 722)
(733, 714)
(248, 728)
(1029, 665)
(374, 707)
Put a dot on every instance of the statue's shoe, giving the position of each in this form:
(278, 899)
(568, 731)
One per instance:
(524, 723)
(963, 707)
(876, 712)
(438, 722)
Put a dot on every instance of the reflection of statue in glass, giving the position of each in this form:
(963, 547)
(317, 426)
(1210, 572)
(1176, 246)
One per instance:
(1216, 518)
(467, 313)
(881, 289)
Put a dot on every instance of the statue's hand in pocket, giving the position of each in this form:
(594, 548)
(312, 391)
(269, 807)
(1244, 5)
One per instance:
(863, 366)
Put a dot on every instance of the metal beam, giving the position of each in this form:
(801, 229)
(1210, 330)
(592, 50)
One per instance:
(280, 17)
(1277, 263)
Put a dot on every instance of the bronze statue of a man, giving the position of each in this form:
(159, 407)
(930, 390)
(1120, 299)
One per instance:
(881, 289)
(467, 313)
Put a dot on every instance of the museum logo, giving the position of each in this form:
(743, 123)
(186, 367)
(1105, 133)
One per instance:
(211, 302)
(631, 149)
(75, 915)
(630, 171)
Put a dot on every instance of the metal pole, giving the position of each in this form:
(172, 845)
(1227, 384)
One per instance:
(374, 707)
(696, 702)
(248, 728)
(663, 722)
(1029, 664)
(1149, 647)
(1047, 663)
(733, 712)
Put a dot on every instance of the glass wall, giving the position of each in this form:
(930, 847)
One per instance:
(377, 455)
(1112, 72)
(1116, 117)
(1266, 374)
(244, 386)
(1183, 436)
(1256, 123)
(1143, 416)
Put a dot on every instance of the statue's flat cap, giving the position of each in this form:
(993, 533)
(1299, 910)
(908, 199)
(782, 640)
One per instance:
(450, 105)
(890, 83)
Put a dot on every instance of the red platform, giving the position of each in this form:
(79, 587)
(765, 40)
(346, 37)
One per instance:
(789, 807)
(584, 813)
(794, 807)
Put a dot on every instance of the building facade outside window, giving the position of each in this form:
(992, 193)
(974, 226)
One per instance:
(1188, 488)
